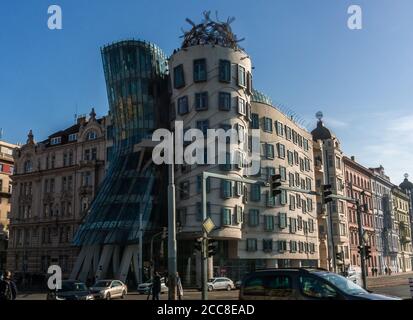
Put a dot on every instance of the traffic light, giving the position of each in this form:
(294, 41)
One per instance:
(367, 252)
(339, 256)
(360, 249)
(198, 244)
(327, 193)
(212, 247)
(275, 185)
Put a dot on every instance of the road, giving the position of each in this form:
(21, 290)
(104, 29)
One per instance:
(394, 285)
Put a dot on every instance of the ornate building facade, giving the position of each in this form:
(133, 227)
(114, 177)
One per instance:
(6, 171)
(54, 183)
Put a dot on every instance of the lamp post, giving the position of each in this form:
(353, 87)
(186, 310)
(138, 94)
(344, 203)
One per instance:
(172, 265)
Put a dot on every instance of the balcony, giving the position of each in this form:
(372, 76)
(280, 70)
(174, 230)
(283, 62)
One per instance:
(5, 193)
(85, 190)
(90, 163)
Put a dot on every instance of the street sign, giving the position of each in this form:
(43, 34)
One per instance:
(208, 225)
(365, 236)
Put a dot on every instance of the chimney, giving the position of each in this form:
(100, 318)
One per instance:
(81, 120)
(353, 158)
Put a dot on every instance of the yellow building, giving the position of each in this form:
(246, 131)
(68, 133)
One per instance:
(402, 220)
(6, 170)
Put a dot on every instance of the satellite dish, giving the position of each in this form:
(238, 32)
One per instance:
(319, 115)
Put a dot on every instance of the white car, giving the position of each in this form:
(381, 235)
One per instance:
(220, 283)
(109, 289)
(145, 288)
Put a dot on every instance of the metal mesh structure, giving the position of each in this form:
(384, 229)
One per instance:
(136, 80)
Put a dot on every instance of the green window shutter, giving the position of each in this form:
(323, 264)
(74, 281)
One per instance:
(255, 192)
(282, 220)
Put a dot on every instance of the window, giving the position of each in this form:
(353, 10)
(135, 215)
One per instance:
(290, 157)
(183, 105)
(306, 147)
(28, 166)
(270, 173)
(224, 71)
(226, 216)
(292, 202)
(238, 214)
(269, 151)
(270, 200)
(200, 70)
(72, 137)
(282, 245)
(307, 165)
(288, 134)
(293, 246)
(255, 121)
(203, 125)
(267, 245)
(293, 225)
(238, 188)
(283, 173)
(242, 107)
(282, 216)
(179, 79)
(315, 288)
(255, 192)
(253, 217)
(242, 76)
(56, 140)
(279, 127)
(251, 244)
(184, 190)
(91, 135)
(267, 124)
(224, 101)
(269, 223)
(226, 189)
(283, 197)
(281, 150)
(201, 101)
(86, 180)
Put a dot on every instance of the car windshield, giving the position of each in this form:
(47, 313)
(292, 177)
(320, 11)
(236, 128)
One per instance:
(342, 283)
(102, 284)
(73, 286)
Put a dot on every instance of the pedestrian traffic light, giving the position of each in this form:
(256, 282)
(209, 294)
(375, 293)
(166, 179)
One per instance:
(275, 185)
(198, 244)
(367, 252)
(327, 193)
(212, 247)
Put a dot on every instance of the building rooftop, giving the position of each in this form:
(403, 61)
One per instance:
(211, 32)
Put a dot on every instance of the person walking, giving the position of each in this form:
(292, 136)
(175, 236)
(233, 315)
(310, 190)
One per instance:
(179, 288)
(156, 286)
(8, 289)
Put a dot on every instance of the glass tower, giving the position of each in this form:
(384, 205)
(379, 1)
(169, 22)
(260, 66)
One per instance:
(136, 81)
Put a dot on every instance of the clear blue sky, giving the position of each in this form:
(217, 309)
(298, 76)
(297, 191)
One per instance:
(304, 56)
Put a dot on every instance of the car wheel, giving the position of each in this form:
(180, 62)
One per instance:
(210, 288)
(123, 294)
(229, 288)
(108, 296)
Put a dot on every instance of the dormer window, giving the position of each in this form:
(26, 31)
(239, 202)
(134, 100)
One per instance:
(56, 140)
(91, 135)
(72, 137)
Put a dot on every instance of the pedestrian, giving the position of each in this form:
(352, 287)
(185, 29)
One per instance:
(372, 271)
(8, 289)
(179, 289)
(385, 271)
(156, 286)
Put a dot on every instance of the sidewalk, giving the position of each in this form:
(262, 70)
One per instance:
(392, 280)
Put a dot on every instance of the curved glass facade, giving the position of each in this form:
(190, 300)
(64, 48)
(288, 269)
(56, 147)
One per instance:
(136, 81)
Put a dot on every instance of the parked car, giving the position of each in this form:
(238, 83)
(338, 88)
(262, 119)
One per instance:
(109, 289)
(220, 283)
(145, 287)
(71, 290)
(303, 284)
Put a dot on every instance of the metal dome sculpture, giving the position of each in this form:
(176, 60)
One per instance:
(211, 32)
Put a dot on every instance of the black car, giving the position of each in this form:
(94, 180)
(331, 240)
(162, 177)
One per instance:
(302, 284)
(71, 290)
